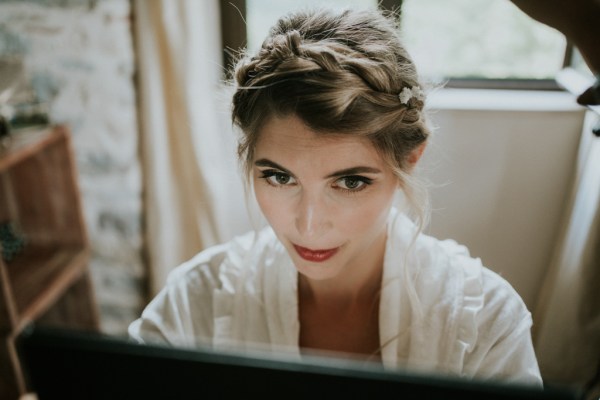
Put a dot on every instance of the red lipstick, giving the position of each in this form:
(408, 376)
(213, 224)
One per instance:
(315, 255)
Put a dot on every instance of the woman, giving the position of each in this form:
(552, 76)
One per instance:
(331, 112)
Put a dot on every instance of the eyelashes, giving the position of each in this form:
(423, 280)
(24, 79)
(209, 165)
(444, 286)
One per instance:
(353, 183)
(277, 178)
(348, 184)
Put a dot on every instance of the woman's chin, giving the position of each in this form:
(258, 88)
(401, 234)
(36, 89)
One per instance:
(317, 271)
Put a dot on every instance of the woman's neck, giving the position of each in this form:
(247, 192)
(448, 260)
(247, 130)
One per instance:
(359, 283)
(340, 316)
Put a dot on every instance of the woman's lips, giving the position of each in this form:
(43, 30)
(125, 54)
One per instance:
(315, 255)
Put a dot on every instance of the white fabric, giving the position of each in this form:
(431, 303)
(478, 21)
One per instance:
(243, 295)
(184, 145)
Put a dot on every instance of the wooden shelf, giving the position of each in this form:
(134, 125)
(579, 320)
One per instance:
(39, 186)
(40, 275)
(25, 144)
(48, 282)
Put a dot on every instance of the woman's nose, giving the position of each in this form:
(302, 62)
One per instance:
(312, 217)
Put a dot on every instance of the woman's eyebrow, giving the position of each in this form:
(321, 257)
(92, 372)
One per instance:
(263, 162)
(354, 171)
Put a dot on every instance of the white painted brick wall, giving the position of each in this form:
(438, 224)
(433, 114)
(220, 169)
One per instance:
(78, 55)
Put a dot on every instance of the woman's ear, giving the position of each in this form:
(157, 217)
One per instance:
(415, 155)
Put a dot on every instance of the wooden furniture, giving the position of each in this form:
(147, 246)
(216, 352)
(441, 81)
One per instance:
(48, 281)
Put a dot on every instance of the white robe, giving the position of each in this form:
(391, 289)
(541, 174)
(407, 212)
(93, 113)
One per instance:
(466, 321)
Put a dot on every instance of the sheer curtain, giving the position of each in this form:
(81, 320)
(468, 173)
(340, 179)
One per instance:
(187, 145)
(567, 331)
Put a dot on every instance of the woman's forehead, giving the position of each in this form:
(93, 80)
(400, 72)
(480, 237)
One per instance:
(289, 136)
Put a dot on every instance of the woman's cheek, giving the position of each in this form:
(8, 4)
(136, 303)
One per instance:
(366, 211)
(273, 203)
(262, 197)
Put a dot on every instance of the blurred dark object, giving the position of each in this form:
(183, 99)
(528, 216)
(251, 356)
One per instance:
(591, 97)
(578, 20)
(26, 115)
(11, 240)
(4, 128)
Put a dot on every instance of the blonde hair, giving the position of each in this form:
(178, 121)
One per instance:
(340, 73)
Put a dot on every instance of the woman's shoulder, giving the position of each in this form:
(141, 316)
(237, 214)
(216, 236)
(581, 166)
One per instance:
(209, 265)
(480, 305)
(470, 282)
(450, 284)
(495, 292)
(492, 323)
(184, 310)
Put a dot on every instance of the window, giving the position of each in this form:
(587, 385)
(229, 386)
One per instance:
(464, 42)
(479, 39)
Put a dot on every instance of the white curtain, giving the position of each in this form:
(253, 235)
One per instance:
(567, 330)
(187, 144)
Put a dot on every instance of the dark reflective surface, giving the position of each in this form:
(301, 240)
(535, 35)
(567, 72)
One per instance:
(71, 364)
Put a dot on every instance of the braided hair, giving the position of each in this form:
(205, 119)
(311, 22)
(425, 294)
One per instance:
(340, 73)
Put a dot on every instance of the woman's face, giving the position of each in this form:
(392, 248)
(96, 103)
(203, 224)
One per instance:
(326, 198)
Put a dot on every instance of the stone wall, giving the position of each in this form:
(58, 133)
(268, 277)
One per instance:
(78, 57)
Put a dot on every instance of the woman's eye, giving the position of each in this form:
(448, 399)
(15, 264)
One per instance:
(278, 178)
(353, 183)
(281, 179)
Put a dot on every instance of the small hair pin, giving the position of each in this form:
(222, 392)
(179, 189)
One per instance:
(408, 93)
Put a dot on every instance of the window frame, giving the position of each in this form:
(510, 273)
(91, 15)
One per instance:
(234, 36)
(233, 31)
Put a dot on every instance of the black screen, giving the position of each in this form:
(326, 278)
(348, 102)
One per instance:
(76, 365)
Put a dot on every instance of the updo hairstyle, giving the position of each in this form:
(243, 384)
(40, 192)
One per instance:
(340, 73)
